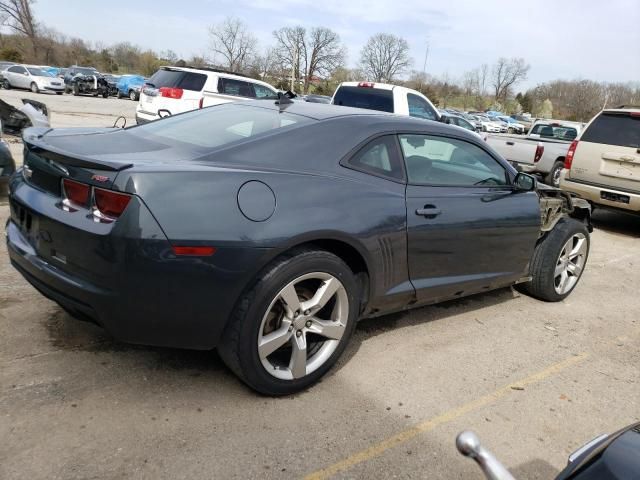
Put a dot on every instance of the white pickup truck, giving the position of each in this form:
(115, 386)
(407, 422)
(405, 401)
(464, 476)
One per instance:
(385, 98)
(542, 151)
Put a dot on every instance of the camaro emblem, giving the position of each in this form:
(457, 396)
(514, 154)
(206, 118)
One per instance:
(99, 178)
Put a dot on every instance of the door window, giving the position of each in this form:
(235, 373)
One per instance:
(17, 69)
(237, 88)
(432, 160)
(419, 108)
(262, 91)
(379, 157)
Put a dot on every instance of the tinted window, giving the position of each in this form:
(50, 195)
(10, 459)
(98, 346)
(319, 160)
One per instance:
(418, 107)
(17, 69)
(38, 72)
(216, 126)
(178, 79)
(238, 88)
(362, 97)
(263, 92)
(85, 71)
(614, 129)
(379, 157)
(554, 131)
(446, 161)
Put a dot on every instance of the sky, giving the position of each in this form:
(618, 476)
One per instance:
(568, 39)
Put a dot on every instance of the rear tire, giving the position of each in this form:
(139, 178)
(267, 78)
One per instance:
(119, 94)
(553, 177)
(76, 90)
(58, 93)
(558, 261)
(6, 84)
(262, 315)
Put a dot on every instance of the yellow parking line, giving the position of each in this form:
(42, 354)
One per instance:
(432, 423)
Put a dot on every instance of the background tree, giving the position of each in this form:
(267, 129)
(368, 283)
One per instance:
(323, 54)
(234, 42)
(384, 57)
(506, 73)
(17, 15)
(290, 49)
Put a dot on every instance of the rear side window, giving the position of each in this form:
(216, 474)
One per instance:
(419, 108)
(263, 92)
(380, 158)
(178, 79)
(364, 97)
(554, 131)
(620, 129)
(234, 87)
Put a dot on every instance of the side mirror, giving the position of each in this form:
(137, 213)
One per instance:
(525, 182)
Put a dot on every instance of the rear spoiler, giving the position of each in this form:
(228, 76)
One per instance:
(32, 140)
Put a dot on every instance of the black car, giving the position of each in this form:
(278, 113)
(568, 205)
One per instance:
(267, 229)
(7, 164)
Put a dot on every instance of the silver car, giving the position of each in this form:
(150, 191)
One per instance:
(32, 78)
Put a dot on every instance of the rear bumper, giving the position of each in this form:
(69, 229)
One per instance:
(627, 200)
(127, 280)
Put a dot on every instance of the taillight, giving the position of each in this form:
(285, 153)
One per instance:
(200, 102)
(367, 84)
(568, 160)
(109, 203)
(539, 152)
(76, 192)
(170, 92)
(194, 251)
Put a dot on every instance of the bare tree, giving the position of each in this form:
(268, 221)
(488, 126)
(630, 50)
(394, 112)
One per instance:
(384, 57)
(290, 48)
(324, 54)
(17, 15)
(506, 73)
(234, 42)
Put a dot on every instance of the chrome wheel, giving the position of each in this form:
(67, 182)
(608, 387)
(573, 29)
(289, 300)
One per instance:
(570, 263)
(303, 326)
(555, 179)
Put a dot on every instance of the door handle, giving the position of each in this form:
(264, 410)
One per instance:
(510, 144)
(429, 211)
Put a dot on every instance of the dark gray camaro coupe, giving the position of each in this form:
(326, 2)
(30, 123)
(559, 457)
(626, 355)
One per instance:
(268, 230)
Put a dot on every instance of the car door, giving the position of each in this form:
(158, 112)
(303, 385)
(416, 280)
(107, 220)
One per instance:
(468, 229)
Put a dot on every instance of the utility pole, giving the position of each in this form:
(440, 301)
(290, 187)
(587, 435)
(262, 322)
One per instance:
(424, 66)
(294, 65)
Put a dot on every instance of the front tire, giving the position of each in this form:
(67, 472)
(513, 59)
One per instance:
(558, 261)
(294, 323)
(34, 88)
(133, 95)
(76, 90)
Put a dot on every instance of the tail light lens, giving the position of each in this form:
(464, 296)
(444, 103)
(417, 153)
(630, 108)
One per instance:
(539, 153)
(169, 92)
(109, 203)
(367, 84)
(568, 160)
(76, 192)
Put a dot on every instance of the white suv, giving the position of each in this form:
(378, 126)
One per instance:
(173, 90)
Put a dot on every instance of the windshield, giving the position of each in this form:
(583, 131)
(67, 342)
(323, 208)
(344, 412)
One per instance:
(215, 126)
(37, 72)
(86, 71)
(558, 132)
(621, 129)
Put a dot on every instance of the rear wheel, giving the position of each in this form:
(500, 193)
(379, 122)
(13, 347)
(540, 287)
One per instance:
(510, 130)
(294, 324)
(558, 261)
(6, 84)
(58, 93)
(119, 94)
(553, 177)
(76, 90)
(34, 87)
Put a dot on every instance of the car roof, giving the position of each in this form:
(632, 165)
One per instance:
(622, 110)
(207, 71)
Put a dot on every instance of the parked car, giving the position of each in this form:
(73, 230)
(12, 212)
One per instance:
(542, 151)
(31, 78)
(603, 163)
(14, 120)
(606, 457)
(215, 229)
(129, 86)
(385, 97)
(527, 122)
(74, 70)
(112, 82)
(458, 120)
(94, 84)
(488, 125)
(512, 125)
(173, 90)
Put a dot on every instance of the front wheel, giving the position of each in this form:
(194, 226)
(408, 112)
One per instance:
(133, 95)
(76, 90)
(294, 324)
(58, 93)
(558, 261)
(34, 87)
(553, 177)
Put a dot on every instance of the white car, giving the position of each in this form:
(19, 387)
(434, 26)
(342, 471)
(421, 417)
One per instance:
(32, 78)
(488, 125)
(512, 125)
(173, 90)
(385, 98)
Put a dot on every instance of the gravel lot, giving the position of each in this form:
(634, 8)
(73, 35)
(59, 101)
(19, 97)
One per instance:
(535, 380)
